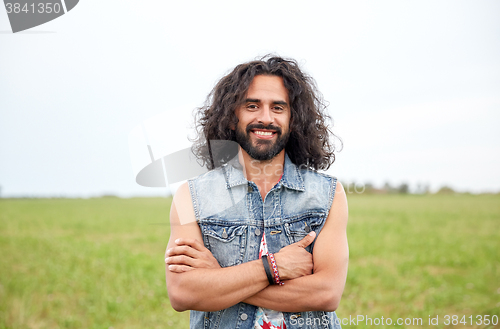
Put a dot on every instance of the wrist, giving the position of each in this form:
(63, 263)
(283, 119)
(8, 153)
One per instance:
(282, 267)
(267, 267)
(274, 267)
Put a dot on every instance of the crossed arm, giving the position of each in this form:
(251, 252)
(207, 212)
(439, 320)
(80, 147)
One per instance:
(195, 281)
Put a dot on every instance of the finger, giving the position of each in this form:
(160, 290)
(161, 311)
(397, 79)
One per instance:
(183, 250)
(190, 242)
(180, 268)
(307, 240)
(180, 260)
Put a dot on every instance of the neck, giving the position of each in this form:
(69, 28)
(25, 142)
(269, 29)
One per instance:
(265, 174)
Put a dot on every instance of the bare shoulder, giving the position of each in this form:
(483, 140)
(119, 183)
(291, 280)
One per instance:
(182, 218)
(182, 211)
(182, 194)
(339, 209)
(338, 215)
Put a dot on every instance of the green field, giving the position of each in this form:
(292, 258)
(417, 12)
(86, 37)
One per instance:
(98, 263)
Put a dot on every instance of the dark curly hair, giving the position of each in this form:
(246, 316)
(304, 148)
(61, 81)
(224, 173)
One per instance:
(308, 145)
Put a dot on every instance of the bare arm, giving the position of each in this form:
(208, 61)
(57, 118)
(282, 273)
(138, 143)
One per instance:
(323, 289)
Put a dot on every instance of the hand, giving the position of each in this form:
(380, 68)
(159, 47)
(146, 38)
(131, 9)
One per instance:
(294, 261)
(189, 254)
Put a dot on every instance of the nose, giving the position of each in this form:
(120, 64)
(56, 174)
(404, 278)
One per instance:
(266, 116)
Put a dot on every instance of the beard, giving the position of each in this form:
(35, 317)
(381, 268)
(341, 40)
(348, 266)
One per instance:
(264, 149)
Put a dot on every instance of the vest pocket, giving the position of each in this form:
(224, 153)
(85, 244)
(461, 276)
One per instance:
(226, 242)
(298, 227)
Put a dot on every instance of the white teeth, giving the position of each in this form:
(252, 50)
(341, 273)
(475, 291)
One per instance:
(263, 133)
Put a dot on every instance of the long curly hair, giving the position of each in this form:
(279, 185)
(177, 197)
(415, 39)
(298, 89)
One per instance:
(309, 144)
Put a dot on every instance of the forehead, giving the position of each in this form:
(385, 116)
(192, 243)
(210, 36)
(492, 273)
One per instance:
(268, 87)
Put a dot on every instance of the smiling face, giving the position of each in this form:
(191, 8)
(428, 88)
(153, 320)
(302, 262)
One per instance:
(263, 120)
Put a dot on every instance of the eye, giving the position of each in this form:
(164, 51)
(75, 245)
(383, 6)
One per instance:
(252, 106)
(279, 108)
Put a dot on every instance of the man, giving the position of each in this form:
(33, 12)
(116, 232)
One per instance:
(260, 240)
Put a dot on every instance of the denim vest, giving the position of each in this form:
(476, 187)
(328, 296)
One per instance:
(232, 217)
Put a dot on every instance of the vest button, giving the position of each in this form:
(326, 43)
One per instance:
(257, 231)
(244, 316)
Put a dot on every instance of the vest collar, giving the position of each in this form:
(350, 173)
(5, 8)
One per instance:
(291, 178)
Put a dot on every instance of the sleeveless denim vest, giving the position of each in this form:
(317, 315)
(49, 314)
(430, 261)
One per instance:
(232, 217)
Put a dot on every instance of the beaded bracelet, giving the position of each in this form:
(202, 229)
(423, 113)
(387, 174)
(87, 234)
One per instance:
(275, 270)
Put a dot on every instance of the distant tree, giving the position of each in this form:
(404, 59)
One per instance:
(422, 188)
(388, 188)
(109, 196)
(445, 190)
(369, 188)
(350, 187)
(403, 188)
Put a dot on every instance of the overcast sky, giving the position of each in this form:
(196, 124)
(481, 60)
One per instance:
(413, 87)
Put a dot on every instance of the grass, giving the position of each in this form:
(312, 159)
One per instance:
(94, 263)
(98, 263)
(420, 256)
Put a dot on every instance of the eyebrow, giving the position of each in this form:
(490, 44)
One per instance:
(255, 100)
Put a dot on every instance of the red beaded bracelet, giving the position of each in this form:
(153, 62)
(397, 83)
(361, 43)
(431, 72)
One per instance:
(275, 270)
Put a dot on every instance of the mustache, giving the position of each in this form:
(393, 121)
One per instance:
(261, 126)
